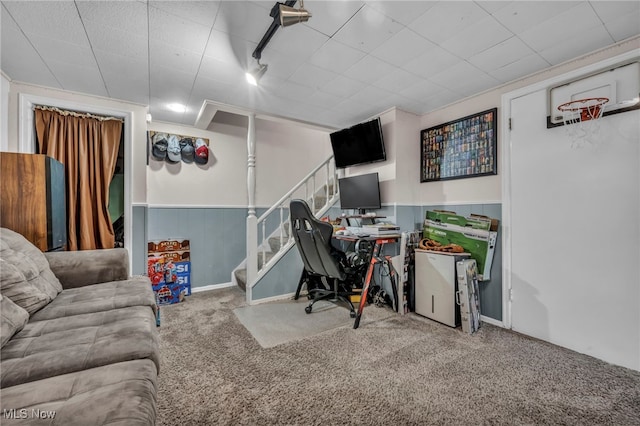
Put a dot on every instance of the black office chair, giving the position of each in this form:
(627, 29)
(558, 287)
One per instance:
(321, 260)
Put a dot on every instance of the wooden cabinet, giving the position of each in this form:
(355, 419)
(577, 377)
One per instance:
(32, 199)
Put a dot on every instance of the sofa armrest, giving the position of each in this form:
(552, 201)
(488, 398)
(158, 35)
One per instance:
(85, 267)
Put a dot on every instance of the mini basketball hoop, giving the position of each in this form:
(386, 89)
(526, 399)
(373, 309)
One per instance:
(581, 118)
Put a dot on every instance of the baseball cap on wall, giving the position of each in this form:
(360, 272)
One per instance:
(187, 150)
(202, 152)
(173, 151)
(159, 146)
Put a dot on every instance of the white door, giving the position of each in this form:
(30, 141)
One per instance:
(575, 234)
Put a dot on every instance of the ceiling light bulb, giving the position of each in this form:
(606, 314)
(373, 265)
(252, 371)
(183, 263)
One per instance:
(253, 77)
(175, 107)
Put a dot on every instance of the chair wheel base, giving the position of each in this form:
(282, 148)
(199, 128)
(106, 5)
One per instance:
(352, 314)
(307, 309)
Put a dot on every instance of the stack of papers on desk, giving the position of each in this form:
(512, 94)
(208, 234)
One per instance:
(381, 229)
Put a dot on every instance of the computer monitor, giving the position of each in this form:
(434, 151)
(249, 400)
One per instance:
(360, 192)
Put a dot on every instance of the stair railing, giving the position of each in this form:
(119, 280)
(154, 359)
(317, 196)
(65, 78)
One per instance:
(319, 188)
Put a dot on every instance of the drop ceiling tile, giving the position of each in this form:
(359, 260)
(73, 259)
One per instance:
(519, 16)
(77, 78)
(19, 59)
(372, 95)
(229, 49)
(343, 86)
(219, 71)
(441, 99)
(298, 41)
(312, 76)
(328, 17)
(112, 63)
(520, 68)
(170, 56)
(446, 19)
(280, 64)
(397, 80)
(553, 31)
(324, 99)
(369, 69)
(200, 12)
(118, 42)
(134, 88)
(44, 19)
(129, 16)
(243, 19)
(294, 91)
(212, 90)
(367, 30)
(187, 35)
(614, 10)
(422, 90)
(171, 83)
(501, 54)
(579, 42)
(403, 12)
(476, 83)
(402, 47)
(493, 6)
(431, 62)
(456, 76)
(335, 56)
(58, 50)
(624, 27)
(475, 38)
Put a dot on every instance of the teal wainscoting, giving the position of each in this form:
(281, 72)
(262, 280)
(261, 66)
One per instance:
(217, 236)
(139, 240)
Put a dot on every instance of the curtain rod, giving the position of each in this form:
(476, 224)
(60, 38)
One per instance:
(76, 113)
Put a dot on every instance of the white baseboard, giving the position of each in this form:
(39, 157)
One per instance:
(211, 287)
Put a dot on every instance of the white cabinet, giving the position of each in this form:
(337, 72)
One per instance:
(436, 286)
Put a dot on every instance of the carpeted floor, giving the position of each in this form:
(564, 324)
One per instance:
(402, 370)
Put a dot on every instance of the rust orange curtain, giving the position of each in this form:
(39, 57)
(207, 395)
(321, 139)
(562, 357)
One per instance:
(88, 148)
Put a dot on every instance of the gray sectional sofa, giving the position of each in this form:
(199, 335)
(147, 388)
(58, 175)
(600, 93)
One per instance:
(79, 339)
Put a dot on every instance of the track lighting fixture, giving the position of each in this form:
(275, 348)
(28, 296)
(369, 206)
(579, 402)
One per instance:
(289, 15)
(256, 74)
(283, 14)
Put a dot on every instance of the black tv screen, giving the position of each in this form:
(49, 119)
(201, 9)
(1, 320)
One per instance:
(360, 192)
(359, 144)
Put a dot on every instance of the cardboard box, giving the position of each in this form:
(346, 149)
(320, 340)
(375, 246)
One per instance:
(173, 256)
(171, 281)
(168, 294)
(168, 245)
(473, 233)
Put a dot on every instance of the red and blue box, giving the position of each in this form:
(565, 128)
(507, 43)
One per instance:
(169, 271)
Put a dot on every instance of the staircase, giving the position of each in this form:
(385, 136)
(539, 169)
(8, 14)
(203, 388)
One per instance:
(272, 231)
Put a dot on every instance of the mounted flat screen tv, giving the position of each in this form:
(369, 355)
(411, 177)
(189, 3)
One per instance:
(360, 192)
(359, 144)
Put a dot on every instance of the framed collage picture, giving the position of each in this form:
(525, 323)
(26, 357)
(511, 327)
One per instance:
(459, 149)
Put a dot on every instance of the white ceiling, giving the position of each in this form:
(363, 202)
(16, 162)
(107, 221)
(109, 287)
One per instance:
(350, 61)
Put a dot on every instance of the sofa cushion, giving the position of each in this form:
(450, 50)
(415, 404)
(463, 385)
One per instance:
(45, 351)
(117, 394)
(135, 291)
(13, 319)
(14, 286)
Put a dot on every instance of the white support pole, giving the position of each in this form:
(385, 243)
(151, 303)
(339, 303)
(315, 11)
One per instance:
(252, 220)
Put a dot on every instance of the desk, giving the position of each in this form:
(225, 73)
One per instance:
(379, 242)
